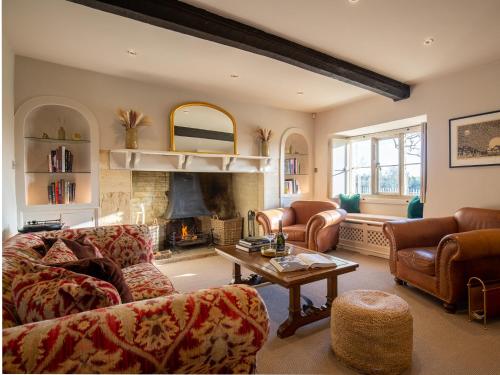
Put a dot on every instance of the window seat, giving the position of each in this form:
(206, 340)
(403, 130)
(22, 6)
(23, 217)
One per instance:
(362, 233)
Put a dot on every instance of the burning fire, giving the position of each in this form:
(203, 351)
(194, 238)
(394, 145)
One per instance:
(184, 231)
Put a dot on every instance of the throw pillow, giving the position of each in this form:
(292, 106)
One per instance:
(415, 208)
(81, 246)
(350, 203)
(59, 253)
(54, 292)
(103, 269)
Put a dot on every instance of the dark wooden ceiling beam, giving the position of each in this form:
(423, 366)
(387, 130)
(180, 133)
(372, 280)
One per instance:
(187, 19)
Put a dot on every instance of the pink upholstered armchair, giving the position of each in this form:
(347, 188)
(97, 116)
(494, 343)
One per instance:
(310, 224)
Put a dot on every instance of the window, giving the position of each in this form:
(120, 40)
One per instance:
(386, 163)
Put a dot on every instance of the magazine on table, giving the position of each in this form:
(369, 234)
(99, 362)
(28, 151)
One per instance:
(305, 261)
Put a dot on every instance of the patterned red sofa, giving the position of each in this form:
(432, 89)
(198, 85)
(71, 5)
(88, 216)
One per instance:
(216, 330)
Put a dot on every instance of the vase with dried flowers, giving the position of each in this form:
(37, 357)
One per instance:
(131, 120)
(264, 135)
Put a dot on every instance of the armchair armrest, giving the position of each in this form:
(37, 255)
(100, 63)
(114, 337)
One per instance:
(462, 255)
(320, 221)
(403, 234)
(470, 245)
(269, 219)
(215, 330)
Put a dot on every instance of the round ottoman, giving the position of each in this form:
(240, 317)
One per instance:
(372, 331)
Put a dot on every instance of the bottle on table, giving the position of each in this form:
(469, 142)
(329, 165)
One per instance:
(280, 238)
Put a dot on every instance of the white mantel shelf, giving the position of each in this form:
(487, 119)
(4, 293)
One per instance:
(172, 161)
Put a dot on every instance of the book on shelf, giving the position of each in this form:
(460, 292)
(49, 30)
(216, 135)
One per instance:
(60, 160)
(291, 186)
(305, 261)
(292, 166)
(61, 192)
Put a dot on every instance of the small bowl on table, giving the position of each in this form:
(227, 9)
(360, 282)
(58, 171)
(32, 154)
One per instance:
(270, 251)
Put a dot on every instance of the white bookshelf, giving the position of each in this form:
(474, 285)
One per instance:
(45, 115)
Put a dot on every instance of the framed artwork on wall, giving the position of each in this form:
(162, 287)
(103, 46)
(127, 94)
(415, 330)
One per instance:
(475, 140)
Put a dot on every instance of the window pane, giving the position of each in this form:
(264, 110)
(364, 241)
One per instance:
(361, 181)
(388, 180)
(412, 179)
(388, 153)
(361, 153)
(338, 154)
(413, 149)
(338, 183)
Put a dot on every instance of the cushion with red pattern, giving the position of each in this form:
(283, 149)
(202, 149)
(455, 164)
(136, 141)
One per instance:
(52, 292)
(59, 253)
(81, 246)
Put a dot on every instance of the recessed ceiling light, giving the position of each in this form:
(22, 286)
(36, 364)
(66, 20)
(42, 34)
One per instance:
(428, 41)
(185, 111)
(132, 52)
(234, 76)
(300, 92)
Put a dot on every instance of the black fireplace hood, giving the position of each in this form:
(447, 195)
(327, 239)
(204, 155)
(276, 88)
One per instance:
(185, 198)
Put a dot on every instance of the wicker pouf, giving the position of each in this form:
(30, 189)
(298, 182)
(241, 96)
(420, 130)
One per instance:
(372, 331)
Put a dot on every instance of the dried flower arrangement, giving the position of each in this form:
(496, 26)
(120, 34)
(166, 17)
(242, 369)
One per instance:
(264, 134)
(131, 119)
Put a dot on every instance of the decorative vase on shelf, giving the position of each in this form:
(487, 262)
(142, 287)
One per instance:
(131, 138)
(264, 148)
(61, 133)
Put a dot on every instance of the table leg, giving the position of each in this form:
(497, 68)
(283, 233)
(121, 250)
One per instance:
(289, 326)
(236, 274)
(299, 316)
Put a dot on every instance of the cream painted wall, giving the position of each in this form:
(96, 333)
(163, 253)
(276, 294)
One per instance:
(9, 211)
(463, 93)
(103, 94)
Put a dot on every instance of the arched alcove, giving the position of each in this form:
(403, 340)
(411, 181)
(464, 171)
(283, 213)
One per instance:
(295, 166)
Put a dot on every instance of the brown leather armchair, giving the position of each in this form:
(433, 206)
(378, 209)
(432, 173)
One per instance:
(310, 224)
(439, 255)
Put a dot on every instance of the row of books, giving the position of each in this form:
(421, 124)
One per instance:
(292, 166)
(61, 192)
(252, 244)
(60, 160)
(291, 186)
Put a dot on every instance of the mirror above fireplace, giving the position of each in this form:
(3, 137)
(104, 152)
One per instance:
(202, 128)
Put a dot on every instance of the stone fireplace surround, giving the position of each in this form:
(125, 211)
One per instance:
(131, 196)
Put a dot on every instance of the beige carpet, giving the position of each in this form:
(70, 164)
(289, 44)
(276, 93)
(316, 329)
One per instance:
(443, 343)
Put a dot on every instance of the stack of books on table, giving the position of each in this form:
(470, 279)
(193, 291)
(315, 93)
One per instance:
(252, 244)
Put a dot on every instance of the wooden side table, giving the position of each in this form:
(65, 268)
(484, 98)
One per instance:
(484, 299)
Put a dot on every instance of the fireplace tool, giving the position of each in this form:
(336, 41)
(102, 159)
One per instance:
(251, 223)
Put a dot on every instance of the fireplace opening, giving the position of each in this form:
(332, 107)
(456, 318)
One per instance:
(187, 233)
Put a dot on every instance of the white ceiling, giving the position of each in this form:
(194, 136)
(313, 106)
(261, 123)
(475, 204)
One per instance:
(383, 35)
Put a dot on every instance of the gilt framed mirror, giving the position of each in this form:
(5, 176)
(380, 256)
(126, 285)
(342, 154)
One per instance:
(202, 128)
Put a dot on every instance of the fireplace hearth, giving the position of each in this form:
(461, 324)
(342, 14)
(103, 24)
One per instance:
(186, 233)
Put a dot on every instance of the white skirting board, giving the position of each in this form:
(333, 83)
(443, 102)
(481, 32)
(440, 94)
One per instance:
(364, 237)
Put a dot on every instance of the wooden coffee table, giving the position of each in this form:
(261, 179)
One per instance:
(298, 315)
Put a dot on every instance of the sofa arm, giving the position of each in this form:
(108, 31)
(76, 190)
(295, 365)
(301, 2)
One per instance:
(215, 330)
(320, 221)
(269, 219)
(471, 245)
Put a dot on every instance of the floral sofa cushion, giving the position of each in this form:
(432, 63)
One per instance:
(52, 292)
(59, 253)
(124, 244)
(146, 281)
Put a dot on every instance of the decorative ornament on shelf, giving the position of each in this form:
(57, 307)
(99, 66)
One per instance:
(264, 135)
(131, 120)
(77, 137)
(61, 133)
